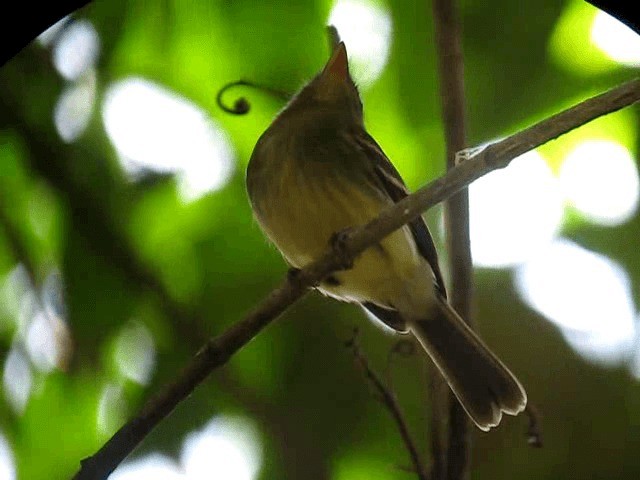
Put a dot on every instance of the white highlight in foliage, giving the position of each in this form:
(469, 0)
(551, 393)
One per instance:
(587, 295)
(600, 179)
(77, 49)
(226, 448)
(366, 30)
(135, 353)
(47, 37)
(514, 212)
(17, 380)
(41, 343)
(615, 39)
(155, 129)
(111, 409)
(150, 467)
(7, 465)
(73, 109)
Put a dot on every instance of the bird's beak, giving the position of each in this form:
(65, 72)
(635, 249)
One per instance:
(337, 67)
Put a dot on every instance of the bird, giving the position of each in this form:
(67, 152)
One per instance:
(316, 172)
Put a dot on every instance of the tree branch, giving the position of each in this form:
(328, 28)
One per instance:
(218, 350)
(451, 71)
(389, 400)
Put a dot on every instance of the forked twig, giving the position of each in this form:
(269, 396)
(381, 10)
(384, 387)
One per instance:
(388, 398)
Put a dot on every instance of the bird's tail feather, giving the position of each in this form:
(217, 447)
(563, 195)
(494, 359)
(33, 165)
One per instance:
(482, 384)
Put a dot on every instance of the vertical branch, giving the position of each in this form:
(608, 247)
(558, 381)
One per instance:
(450, 63)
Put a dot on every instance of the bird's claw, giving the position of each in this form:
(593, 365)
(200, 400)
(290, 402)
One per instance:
(338, 242)
(293, 274)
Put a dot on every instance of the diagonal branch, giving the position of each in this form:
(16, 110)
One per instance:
(218, 350)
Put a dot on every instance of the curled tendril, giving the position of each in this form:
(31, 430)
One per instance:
(241, 106)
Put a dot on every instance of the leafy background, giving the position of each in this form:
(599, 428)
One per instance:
(110, 281)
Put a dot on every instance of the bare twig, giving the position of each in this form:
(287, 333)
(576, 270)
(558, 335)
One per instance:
(451, 70)
(389, 400)
(534, 432)
(218, 350)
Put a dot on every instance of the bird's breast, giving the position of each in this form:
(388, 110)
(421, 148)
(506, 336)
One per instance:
(301, 202)
(301, 208)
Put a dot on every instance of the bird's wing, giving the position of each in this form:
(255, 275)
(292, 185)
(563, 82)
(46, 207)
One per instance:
(387, 175)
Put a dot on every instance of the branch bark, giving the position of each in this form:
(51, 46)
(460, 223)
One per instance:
(451, 71)
(218, 350)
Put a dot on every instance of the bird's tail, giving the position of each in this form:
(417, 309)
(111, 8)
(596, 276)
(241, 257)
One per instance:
(482, 384)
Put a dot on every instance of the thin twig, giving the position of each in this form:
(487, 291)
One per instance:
(218, 350)
(389, 400)
(534, 431)
(451, 70)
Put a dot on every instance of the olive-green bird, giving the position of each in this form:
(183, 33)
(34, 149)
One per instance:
(316, 171)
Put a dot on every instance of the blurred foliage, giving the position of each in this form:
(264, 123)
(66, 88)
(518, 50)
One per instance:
(135, 253)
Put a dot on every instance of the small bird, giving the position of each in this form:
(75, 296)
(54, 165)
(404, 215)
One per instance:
(315, 172)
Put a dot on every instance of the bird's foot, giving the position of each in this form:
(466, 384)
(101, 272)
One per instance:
(293, 274)
(338, 242)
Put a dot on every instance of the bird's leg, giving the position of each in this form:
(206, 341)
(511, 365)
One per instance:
(293, 274)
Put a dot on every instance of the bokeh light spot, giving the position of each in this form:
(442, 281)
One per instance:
(53, 296)
(111, 409)
(47, 37)
(7, 466)
(600, 179)
(150, 467)
(17, 380)
(586, 295)
(76, 50)
(570, 45)
(135, 353)
(615, 39)
(362, 467)
(514, 212)
(153, 128)
(41, 343)
(366, 30)
(73, 110)
(226, 448)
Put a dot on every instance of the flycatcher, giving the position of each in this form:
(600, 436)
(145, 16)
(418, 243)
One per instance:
(316, 171)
